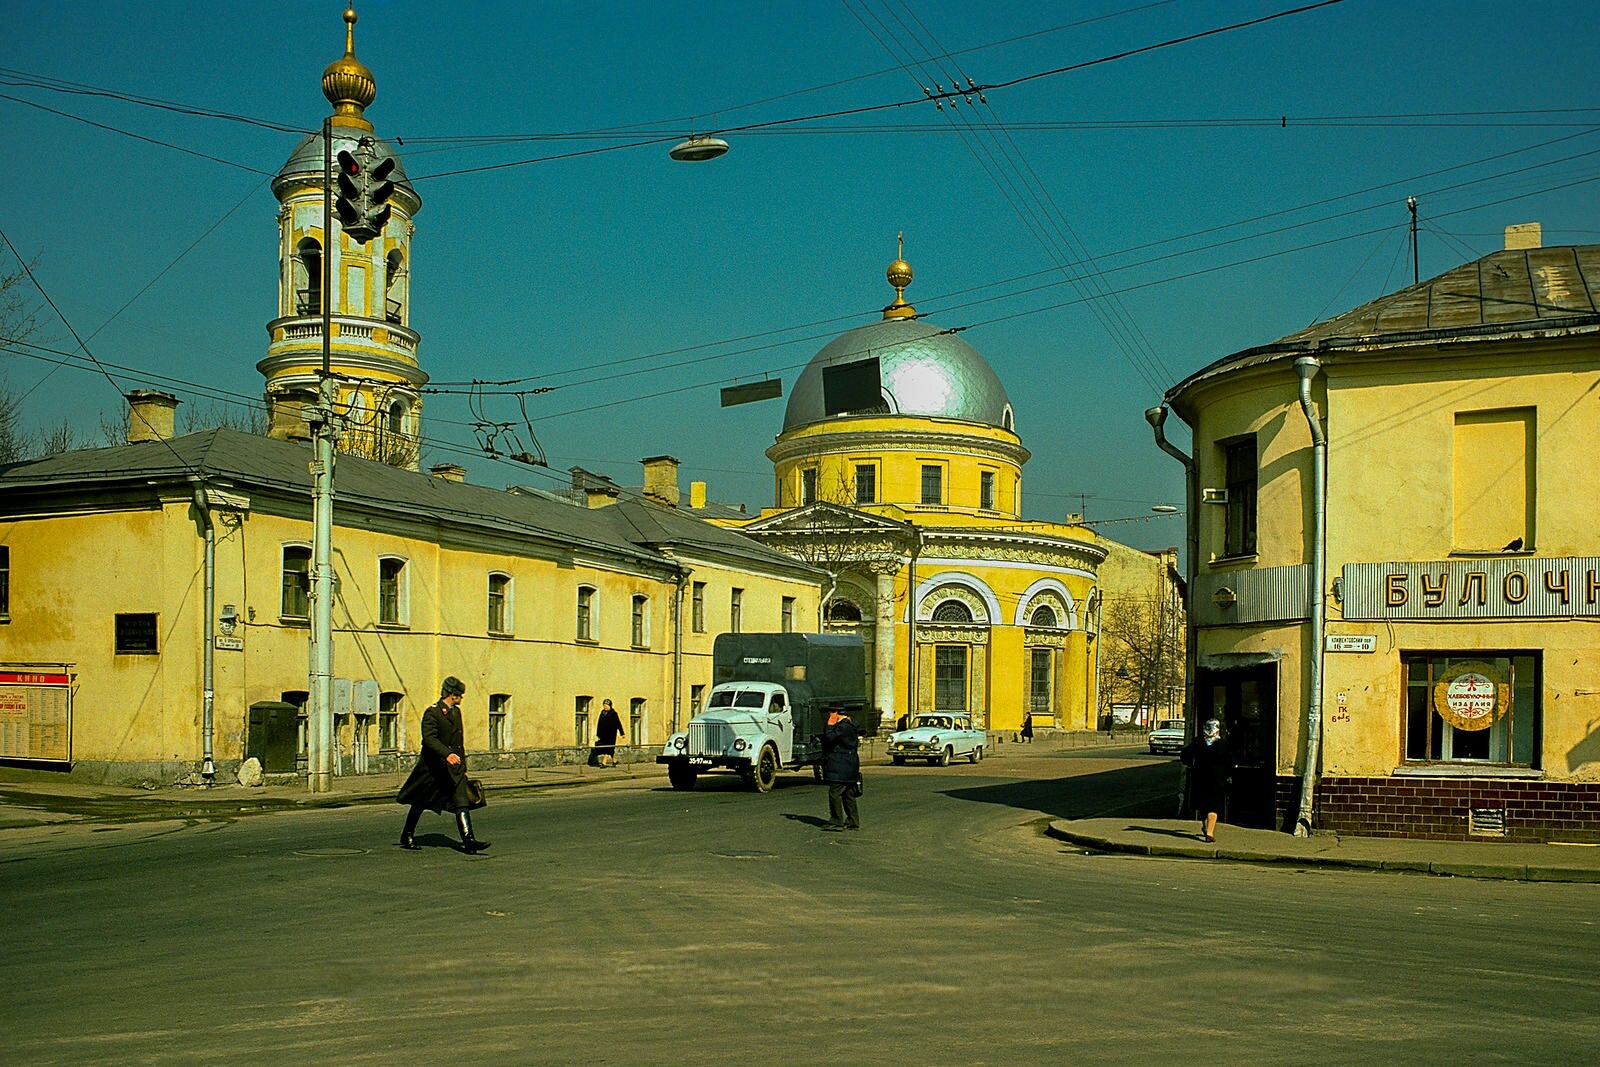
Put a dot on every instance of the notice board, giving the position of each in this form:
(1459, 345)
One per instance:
(35, 714)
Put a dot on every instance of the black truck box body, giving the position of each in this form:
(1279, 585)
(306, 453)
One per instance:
(821, 671)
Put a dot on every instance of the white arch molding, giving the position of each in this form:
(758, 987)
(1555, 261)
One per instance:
(1053, 585)
(973, 585)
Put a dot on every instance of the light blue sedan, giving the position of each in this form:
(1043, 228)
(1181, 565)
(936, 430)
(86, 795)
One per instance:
(938, 737)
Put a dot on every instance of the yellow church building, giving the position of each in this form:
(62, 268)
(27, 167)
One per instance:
(899, 472)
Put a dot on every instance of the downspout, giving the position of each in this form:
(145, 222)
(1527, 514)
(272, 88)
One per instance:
(1156, 417)
(1307, 367)
(677, 646)
(203, 507)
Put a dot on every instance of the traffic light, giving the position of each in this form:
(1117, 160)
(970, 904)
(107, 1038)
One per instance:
(379, 189)
(348, 189)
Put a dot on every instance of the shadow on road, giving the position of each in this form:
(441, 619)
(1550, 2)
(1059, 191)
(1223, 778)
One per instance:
(1148, 790)
(809, 820)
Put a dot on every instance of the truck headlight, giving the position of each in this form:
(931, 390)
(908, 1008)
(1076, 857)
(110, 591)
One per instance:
(680, 742)
(740, 744)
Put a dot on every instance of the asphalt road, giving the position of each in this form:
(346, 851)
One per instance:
(629, 924)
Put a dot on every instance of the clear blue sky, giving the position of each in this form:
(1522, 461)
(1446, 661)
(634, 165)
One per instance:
(760, 257)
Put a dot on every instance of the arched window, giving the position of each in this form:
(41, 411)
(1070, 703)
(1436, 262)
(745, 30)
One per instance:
(394, 272)
(842, 610)
(397, 417)
(952, 611)
(1006, 420)
(1043, 615)
(308, 278)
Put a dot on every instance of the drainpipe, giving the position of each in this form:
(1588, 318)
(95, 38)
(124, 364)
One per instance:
(677, 646)
(1307, 367)
(201, 505)
(1156, 417)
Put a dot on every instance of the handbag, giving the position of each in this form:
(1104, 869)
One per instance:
(475, 795)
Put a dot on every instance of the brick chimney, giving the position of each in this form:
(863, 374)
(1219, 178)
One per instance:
(661, 479)
(151, 415)
(450, 472)
(1524, 235)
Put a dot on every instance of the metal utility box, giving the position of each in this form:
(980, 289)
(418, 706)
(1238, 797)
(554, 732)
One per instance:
(274, 735)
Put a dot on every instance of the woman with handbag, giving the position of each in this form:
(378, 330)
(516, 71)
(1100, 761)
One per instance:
(439, 781)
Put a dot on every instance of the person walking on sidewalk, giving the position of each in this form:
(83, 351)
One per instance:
(606, 732)
(439, 780)
(841, 769)
(1210, 762)
(1027, 727)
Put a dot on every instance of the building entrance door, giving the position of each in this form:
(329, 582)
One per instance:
(1246, 700)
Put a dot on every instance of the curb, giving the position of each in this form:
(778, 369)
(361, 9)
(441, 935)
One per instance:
(1442, 868)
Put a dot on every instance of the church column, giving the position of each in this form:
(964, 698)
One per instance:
(883, 687)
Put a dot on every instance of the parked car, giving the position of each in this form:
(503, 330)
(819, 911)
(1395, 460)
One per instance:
(938, 737)
(1167, 736)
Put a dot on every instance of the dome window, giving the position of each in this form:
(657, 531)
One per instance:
(952, 611)
(1006, 421)
(308, 278)
(394, 273)
(1043, 616)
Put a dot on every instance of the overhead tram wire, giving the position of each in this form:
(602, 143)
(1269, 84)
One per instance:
(135, 136)
(866, 109)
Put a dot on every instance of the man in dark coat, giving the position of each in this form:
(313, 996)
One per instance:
(1210, 763)
(439, 780)
(841, 769)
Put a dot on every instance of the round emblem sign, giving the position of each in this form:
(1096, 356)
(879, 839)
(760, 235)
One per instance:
(1470, 696)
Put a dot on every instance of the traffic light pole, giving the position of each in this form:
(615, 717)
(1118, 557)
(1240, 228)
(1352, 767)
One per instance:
(319, 739)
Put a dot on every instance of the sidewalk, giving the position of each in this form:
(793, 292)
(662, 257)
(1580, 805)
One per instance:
(1511, 860)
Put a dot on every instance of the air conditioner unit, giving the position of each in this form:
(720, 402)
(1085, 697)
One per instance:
(1213, 496)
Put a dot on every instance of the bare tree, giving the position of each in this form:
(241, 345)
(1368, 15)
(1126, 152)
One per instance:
(17, 323)
(246, 418)
(1141, 657)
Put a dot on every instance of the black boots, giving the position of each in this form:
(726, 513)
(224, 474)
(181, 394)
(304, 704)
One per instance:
(408, 836)
(469, 844)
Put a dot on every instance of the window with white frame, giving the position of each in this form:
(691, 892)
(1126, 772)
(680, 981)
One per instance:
(580, 720)
(697, 608)
(295, 601)
(586, 609)
(786, 621)
(697, 699)
(500, 603)
(736, 611)
(636, 721)
(866, 483)
(986, 490)
(808, 485)
(392, 592)
(639, 627)
(499, 722)
(932, 483)
(389, 721)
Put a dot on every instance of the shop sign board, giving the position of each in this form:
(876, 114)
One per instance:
(1500, 588)
(36, 714)
(1471, 695)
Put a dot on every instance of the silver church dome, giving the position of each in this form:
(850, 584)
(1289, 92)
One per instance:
(922, 371)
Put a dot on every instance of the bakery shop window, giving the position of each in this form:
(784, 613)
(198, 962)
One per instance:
(1472, 707)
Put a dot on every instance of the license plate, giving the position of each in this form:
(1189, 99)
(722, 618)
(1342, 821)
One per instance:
(697, 762)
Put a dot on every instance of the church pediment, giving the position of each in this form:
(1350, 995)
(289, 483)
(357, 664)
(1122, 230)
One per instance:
(825, 519)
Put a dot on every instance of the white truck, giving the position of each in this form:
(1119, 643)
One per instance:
(770, 699)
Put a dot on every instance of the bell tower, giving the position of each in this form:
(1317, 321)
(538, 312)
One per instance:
(373, 350)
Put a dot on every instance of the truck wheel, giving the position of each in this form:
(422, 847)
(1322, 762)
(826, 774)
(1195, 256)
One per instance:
(977, 754)
(944, 757)
(765, 773)
(899, 761)
(681, 777)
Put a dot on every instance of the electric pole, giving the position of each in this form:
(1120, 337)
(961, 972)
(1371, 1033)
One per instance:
(319, 733)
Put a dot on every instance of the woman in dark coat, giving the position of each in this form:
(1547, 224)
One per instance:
(606, 732)
(439, 780)
(841, 769)
(1209, 763)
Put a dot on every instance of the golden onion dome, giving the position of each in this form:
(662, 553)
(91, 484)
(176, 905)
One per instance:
(899, 275)
(347, 83)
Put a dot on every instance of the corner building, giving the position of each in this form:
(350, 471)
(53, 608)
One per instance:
(899, 470)
(1453, 684)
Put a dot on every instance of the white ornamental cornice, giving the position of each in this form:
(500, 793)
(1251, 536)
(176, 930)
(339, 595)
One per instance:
(980, 543)
(804, 445)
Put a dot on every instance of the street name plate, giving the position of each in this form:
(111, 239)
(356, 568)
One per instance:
(1352, 643)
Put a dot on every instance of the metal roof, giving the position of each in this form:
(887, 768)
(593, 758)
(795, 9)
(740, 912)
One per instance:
(248, 461)
(924, 370)
(1510, 291)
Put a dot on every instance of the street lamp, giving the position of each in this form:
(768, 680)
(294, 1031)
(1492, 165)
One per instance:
(698, 148)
